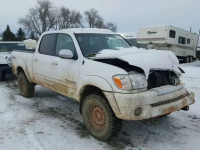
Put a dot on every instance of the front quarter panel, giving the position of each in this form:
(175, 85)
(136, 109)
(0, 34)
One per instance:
(91, 69)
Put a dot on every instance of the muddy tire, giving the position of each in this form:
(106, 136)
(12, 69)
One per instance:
(2, 76)
(99, 119)
(26, 88)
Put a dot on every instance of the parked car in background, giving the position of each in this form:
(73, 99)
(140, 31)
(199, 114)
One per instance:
(6, 48)
(111, 80)
(5, 59)
(181, 42)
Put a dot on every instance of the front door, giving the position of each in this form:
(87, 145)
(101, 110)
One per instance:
(64, 72)
(42, 60)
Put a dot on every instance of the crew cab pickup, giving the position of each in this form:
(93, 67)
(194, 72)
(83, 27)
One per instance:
(111, 80)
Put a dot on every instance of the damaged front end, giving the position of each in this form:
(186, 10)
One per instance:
(157, 78)
(159, 94)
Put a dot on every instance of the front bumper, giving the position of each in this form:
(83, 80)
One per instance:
(6, 69)
(153, 103)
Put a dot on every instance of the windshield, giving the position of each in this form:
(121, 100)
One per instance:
(6, 47)
(92, 44)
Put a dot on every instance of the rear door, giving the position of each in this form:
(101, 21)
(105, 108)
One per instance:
(65, 71)
(42, 60)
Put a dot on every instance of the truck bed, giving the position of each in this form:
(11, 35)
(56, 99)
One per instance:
(23, 59)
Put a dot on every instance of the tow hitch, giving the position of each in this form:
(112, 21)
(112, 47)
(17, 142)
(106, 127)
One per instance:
(185, 108)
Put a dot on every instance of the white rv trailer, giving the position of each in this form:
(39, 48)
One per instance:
(183, 43)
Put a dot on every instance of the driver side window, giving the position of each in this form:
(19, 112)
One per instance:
(65, 41)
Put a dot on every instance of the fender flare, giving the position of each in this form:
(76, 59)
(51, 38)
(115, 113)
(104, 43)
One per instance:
(103, 85)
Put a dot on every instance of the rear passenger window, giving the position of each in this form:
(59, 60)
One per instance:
(188, 41)
(172, 34)
(65, 41)
(47, 45)
(181, 40)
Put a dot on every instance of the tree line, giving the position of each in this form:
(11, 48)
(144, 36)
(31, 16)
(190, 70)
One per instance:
(45, 16)
(8, 35)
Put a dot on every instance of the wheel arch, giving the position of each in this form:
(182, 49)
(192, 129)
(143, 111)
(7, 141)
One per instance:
(21, 69)
(92, 89)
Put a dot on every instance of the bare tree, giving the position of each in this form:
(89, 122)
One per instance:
(111, 26)
(94, 19)
(68, 19)
(45, 17)
(41, 18)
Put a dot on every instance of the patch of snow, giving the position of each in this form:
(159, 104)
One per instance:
(51, 121)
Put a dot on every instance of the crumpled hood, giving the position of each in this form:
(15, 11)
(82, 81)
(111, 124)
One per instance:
(144, 59)
(4, 57)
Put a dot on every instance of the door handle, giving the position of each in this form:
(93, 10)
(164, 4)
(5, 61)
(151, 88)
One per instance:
(54, 63)
(35, 59)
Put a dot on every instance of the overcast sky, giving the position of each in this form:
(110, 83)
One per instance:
(129, 15)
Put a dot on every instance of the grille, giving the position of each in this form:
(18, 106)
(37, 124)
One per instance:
(169, 101)
(158, 78)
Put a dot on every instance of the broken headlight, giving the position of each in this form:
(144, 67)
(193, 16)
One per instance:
(138, 80)
(132, 81)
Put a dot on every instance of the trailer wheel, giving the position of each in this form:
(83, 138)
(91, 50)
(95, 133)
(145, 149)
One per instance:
(191, 59)
(2, 76)
(99, 119)
(26, 88)
(186, 59)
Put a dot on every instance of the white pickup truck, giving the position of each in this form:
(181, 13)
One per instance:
(111, 80)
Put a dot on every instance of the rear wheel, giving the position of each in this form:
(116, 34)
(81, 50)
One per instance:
(99, 118)
(26, 88)
(2, 76)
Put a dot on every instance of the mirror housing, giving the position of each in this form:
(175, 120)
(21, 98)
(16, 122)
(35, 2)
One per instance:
(66, 54)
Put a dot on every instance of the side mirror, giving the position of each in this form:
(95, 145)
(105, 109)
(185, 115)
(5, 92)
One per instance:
(65, 53)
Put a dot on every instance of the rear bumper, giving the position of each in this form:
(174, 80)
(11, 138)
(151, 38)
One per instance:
(6, 69)
(153, 103)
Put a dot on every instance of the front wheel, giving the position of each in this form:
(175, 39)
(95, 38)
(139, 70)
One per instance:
(26, 88)
(99, 119)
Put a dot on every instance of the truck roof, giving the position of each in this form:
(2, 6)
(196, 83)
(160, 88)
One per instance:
(83, 30)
